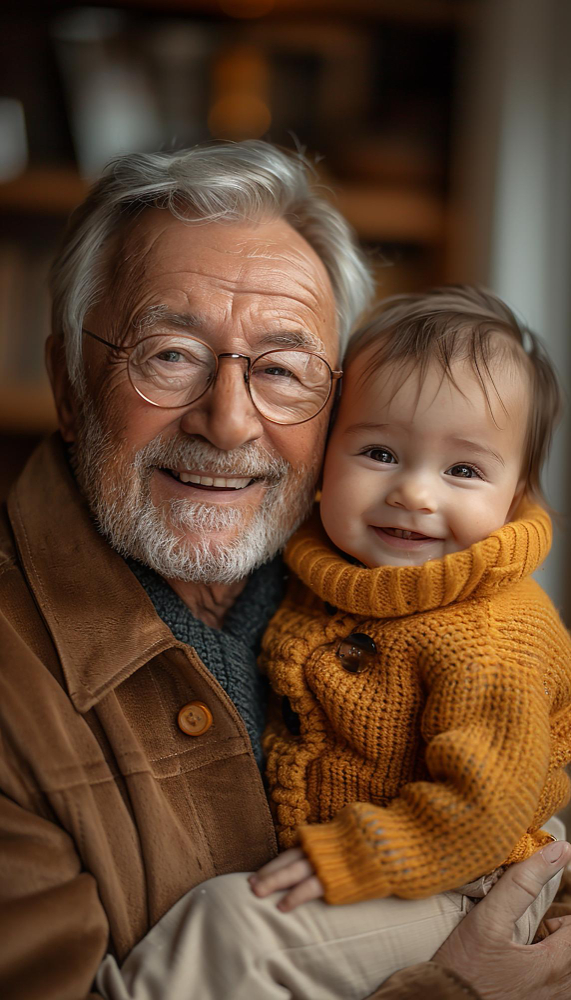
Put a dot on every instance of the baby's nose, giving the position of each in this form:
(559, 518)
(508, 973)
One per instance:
(413, 493)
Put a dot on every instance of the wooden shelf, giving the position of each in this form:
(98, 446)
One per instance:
(43, 190)
(392, 214)
(389, 214)
(27, 408)
(416, 11)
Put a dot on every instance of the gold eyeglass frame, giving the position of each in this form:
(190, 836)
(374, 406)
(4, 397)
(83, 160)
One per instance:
(334, 375)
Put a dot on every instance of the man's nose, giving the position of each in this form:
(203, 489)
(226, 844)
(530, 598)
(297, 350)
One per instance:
(225, 415)
(414, 493)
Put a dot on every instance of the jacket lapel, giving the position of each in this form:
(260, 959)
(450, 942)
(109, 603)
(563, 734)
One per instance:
(102, 623)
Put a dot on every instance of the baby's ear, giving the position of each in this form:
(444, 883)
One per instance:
(517, 498)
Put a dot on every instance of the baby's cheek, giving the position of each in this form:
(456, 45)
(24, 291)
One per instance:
(338, 510)
(476, 521)
(333, 516)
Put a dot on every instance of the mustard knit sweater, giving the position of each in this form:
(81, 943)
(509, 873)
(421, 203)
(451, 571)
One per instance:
(422, 762)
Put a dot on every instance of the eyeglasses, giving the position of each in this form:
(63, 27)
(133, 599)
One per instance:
(171, 371)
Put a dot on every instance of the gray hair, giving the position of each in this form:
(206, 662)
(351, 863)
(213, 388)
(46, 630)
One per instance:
(231, 182)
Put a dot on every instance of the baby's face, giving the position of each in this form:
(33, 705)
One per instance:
(426, 472)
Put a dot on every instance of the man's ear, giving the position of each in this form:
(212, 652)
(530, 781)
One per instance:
(517, 498)
(64, 396)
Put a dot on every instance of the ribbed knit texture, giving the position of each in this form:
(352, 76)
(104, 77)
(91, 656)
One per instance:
(443, 758)
(229, 653)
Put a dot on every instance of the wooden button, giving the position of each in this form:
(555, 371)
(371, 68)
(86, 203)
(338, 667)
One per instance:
(195, 718)
(357, 652)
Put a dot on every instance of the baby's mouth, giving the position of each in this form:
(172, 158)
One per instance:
(403, 533)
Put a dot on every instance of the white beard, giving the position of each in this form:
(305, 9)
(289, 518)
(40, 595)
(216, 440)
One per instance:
(117, 490)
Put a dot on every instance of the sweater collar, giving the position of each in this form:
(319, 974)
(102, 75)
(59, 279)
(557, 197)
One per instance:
(244, 622)
(500, 560)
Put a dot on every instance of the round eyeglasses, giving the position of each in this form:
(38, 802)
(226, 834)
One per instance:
(172, 371)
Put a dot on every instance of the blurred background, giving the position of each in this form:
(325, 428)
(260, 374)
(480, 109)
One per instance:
(440, 128)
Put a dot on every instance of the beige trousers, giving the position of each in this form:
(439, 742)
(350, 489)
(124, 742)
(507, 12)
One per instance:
(220, 942)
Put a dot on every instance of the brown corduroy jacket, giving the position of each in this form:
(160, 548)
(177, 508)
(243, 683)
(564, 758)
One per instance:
(108, 811)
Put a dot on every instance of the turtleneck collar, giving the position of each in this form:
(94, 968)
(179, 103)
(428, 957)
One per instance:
(500, 560)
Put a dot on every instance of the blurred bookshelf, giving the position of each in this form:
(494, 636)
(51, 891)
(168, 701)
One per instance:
(27, 408)
(399, 10)
(378, 214)
(367, 87)
(54, 190)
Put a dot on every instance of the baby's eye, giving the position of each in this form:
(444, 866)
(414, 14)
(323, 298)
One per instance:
(463, 472)
(380, 455)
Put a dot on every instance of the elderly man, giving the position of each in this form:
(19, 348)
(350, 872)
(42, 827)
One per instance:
(199, 303)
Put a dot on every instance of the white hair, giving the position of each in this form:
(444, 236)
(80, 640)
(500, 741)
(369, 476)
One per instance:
(230, 182)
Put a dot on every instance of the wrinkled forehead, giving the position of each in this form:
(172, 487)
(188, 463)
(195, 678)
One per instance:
(158, 236)
(157, 252)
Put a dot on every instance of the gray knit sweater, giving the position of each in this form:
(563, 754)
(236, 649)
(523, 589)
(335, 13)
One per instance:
(230, 653)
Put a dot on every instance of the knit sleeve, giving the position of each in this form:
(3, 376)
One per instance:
(486, 732)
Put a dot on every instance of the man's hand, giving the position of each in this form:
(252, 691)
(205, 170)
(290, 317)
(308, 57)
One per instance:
(291, 870)
(481, 949)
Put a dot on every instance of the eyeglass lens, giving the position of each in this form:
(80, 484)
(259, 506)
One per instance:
(286, 386)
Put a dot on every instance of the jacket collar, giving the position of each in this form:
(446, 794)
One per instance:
(102, 623)
(506, 556)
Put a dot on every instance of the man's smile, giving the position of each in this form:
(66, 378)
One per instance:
(212, 481)
(199, 486)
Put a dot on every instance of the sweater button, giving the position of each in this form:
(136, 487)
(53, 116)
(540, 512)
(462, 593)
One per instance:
(195, 718)
(357, 652)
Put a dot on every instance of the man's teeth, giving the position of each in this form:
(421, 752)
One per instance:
(216, 481)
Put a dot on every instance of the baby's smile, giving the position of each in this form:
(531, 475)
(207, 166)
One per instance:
(402, 537)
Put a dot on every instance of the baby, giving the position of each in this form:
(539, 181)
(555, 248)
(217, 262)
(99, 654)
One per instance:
(425, 678)
(422, 679)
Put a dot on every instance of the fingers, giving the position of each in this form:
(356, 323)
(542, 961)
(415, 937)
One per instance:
(554, 955)
(310, 888)
(280, 861)
(290, 870)
(500, 968)
(283, 872)
(519, 886)
(555, 923)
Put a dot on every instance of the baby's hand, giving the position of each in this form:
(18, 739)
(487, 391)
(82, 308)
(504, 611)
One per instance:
(291, 870)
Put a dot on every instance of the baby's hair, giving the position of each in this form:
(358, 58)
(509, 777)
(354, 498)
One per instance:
(464, 323)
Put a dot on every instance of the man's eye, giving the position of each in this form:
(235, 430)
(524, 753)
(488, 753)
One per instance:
(277, 372)
(463, 472)
(381, 455)
(170, 356)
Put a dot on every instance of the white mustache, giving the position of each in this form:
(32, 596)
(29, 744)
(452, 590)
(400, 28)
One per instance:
(252, 460)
